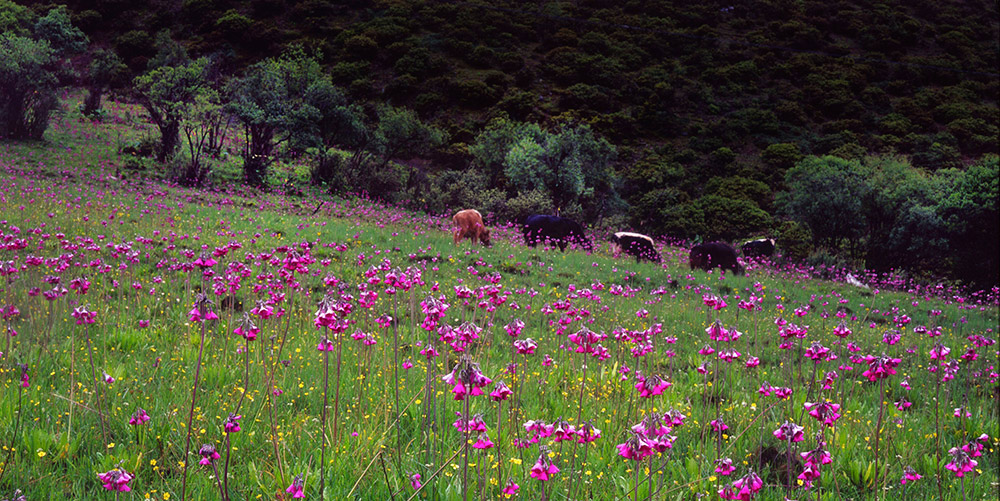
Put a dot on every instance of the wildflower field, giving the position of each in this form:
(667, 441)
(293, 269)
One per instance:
(168, 343)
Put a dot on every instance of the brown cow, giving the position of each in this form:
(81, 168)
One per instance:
(470, 225)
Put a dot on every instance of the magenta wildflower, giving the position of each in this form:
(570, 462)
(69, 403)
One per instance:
(500, 392)
(525, 346)
(961, 463)
(544, 467)
(724, 467)
(635, 448)
(909, 475)
(107, 378)
(232, 424)
(483, 442)
(789, 432)
(116, 479)
(208, 454)
(880, 367)
(466, 379)
(718, 425)
(940, 352)
(514, 328)
(138, 417)
(296, 489)
(511, 488)
(654, 385)
(415, 481)
(587, 433)
(841, 330)
(83, 315)
(824, 412)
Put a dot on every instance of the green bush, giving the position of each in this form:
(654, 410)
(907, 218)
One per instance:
(794, 239)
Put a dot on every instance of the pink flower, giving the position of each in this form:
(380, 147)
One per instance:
(407, 364)
(511, 488)
(415, 481)
(960, 463)
(466, 378)
(483, 442)
(789, 432)
(718, 425)
(909, 475)
(525, 346)
(652, 386)
(296, 489)
(880, 367)
(543, 468)
(635, 448)
(824, 412)
(116, 479)
(138, 417)
(724, 467)
(232, 424)
(500, 392)
(83, 315)
(208, 454)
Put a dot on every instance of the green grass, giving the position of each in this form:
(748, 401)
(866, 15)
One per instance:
(59, 448)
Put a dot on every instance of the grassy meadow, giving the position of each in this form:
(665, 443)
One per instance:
(86, 237)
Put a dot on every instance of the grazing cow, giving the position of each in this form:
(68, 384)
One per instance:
(563, 231)
(763, 247)
(470, 225)
(715, 254)
(635, 244)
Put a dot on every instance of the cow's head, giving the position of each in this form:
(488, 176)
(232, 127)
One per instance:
(484, 237)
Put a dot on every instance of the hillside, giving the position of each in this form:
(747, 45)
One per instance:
(706, 106)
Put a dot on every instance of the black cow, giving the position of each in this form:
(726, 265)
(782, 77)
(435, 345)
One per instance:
(538, 228)
(715, 254)
(635, 244)
(763, 247)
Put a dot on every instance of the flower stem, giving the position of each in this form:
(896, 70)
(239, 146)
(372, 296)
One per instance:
(194, 394)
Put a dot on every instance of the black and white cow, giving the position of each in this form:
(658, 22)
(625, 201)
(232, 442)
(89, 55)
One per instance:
(635, 244)
(539, 228)
(763, 247)
(712, 255)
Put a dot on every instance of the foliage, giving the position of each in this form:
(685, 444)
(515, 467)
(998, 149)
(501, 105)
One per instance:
(56, 28)
(826, 193)
(571, 165)
(166, 92)
(265, 100)
(27, 83)
(106, 69)
(972, 220)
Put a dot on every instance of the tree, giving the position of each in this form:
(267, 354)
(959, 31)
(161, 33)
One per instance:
(265, 100)
(972, 221)
(401, 130)
(325, 124)
(56, 28)
(106, 68)
(27, 86)
(201, 121)
(166, 92)
(572, 165)
(31, 63)
(826, 193)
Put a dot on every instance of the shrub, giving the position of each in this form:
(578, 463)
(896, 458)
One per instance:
(794, 239)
